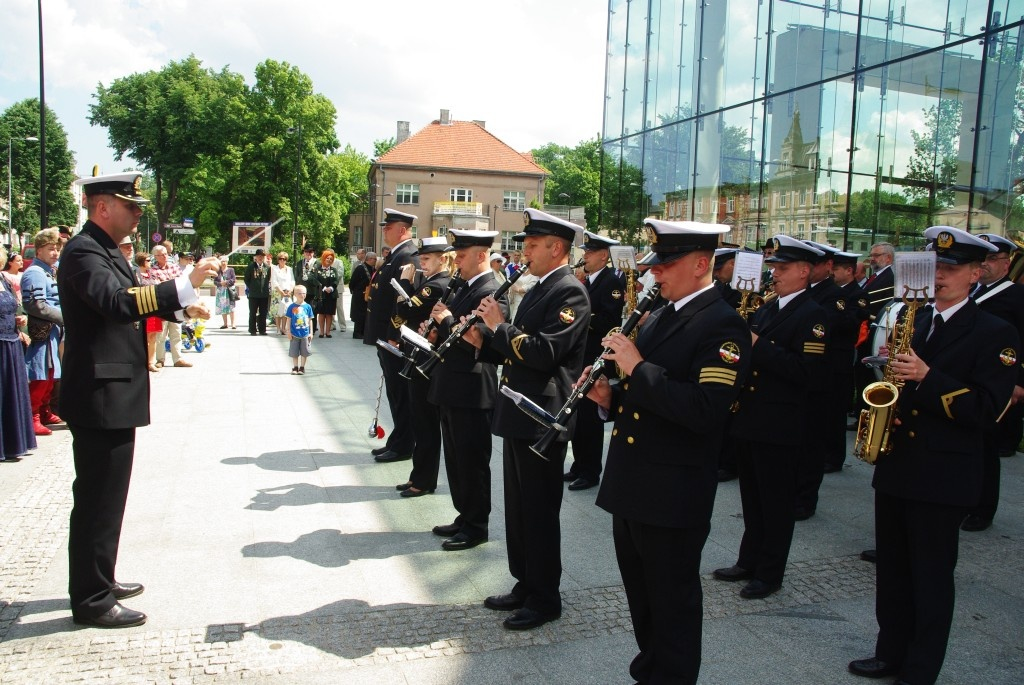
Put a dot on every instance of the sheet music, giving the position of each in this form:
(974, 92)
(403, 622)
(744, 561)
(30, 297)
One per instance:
(746, 274)
(623, 257)
(916, 271)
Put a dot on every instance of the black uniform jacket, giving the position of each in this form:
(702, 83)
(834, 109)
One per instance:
(1008, 305)
(382, 320)
(880, 291)
(105, 382)
(788, 357)
(937, 447)
(731, 296)
(607, 295)
(670, 414)
(360, 279)
(422, 298)
(542, 352)
(463, 379)
(844, 310)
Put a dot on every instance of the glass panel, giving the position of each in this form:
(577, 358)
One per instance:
(635, 67)
(901, 28)
(667, 171)
(671, 70)
(615, 69)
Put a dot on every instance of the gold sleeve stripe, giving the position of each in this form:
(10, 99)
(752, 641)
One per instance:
(723, 381)
(416, 301)
(947, 399)
(516, 343)
(814, 348)
(397, 321)
(718, 372)
(145, 298)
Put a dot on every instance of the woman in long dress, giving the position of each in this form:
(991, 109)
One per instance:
(326, 302)
(16, 434)
(224, 303)
(282, 282)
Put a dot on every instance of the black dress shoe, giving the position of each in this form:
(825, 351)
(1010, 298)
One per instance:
(507, 602)
(975, 523)
(525, 619)
(758, 589)
(569, 477)
(802, 514)
(461, 541)
(126, 590)
(377, 451)
(725, 475)
(390, 456)
(404, 486)
(446, 531)
(416, 492)
(116, 617)
(581, 484)
(733, 573)
(873, 668)
(833, 468)
(869, 555)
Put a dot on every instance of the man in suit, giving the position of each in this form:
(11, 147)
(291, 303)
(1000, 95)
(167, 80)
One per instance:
(826, 440)
(682, 375)
(383, 323)
(464, 389)
(844, 345)
(542, 353)
(105, 393)
(998, 295)
(789, 338)
(257, 283)
(606, 290)
(357, 285)
(958, 378)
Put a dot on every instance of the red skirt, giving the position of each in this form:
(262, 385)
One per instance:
(154, 324)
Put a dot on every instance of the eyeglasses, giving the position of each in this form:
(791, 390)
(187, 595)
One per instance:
(282, 259)
(876, 254)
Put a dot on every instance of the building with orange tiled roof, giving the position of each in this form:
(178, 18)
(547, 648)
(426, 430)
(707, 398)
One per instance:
(451, 174)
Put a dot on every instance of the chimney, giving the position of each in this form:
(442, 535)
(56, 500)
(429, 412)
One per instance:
(446, 119)
(481, 124)
(403, 132)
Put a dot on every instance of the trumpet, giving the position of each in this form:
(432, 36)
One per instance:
(454, 285)
(558, 423)
(437, 354)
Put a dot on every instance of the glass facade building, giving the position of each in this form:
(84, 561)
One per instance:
(842, 121)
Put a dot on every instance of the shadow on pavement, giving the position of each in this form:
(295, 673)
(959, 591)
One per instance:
(298, 461)
(332, 548)
(302, 494)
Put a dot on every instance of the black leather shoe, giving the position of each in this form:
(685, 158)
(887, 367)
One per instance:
(126, 590)
(507, 602)
(525, 619)
(833, 468)
(873, 668)
(377, 451)
(569, 477)
(446, 531)
(416, 492)
(802, 514)
(733, 573)
(758, 589)
(461, 541)
(869, 555)
(390, 456)
(975, 523)
(581, 484)
(404, 486)
(725, 475)
(116, 617)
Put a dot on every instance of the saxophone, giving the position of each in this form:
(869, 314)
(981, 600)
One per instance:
(874, 428)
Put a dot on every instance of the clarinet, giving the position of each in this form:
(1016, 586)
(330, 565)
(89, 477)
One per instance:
(454, 285)
(437, 355)
(597, 370)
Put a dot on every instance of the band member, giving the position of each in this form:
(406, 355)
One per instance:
(464, 389)
(789, 338)
(998, 295)
(844, 272)
(725, 263)
(383, 322)
(826, 441)
(879, 288)
(542, 353)
(606, 289)
(682, 375)
(958, 378)
(424, 289)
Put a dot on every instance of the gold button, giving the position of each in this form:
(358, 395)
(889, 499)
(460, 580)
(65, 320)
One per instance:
(912, 434)
(636, 415)
(625, 386)
(751, 388)
(615, 431)
(620, 409)
(755, 373)
(913, 412)
(504, 379)
(630, 440)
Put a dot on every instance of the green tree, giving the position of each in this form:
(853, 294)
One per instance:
(20, 121)
(935, 158)
(889, 214)
(381, 147)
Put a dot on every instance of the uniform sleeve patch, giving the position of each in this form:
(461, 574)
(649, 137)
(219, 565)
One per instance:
(426, 291)
(1008, 356)
(947, 400)
(397, 322)
(862, 303)
(617, 294)
(516, 343)
(729, 352)
(717, 374)
(567, 316)
(818, 331)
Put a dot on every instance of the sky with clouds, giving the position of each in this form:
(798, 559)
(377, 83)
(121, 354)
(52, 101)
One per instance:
(532, 69)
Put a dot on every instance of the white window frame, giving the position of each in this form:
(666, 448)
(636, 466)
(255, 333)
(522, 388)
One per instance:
(513, 201)
(407, 194)
(460, 195)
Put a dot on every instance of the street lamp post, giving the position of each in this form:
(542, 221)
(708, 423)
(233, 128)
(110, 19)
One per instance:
(298, 175)
(10, 194)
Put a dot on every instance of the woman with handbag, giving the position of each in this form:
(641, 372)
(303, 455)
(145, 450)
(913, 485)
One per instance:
(227, 293)
(45, 328)
(16, 434)
(282, 282)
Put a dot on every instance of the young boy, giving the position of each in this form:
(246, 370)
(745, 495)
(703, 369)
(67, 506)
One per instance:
(300, 331)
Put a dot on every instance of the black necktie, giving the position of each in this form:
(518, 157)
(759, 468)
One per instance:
(937, 322)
